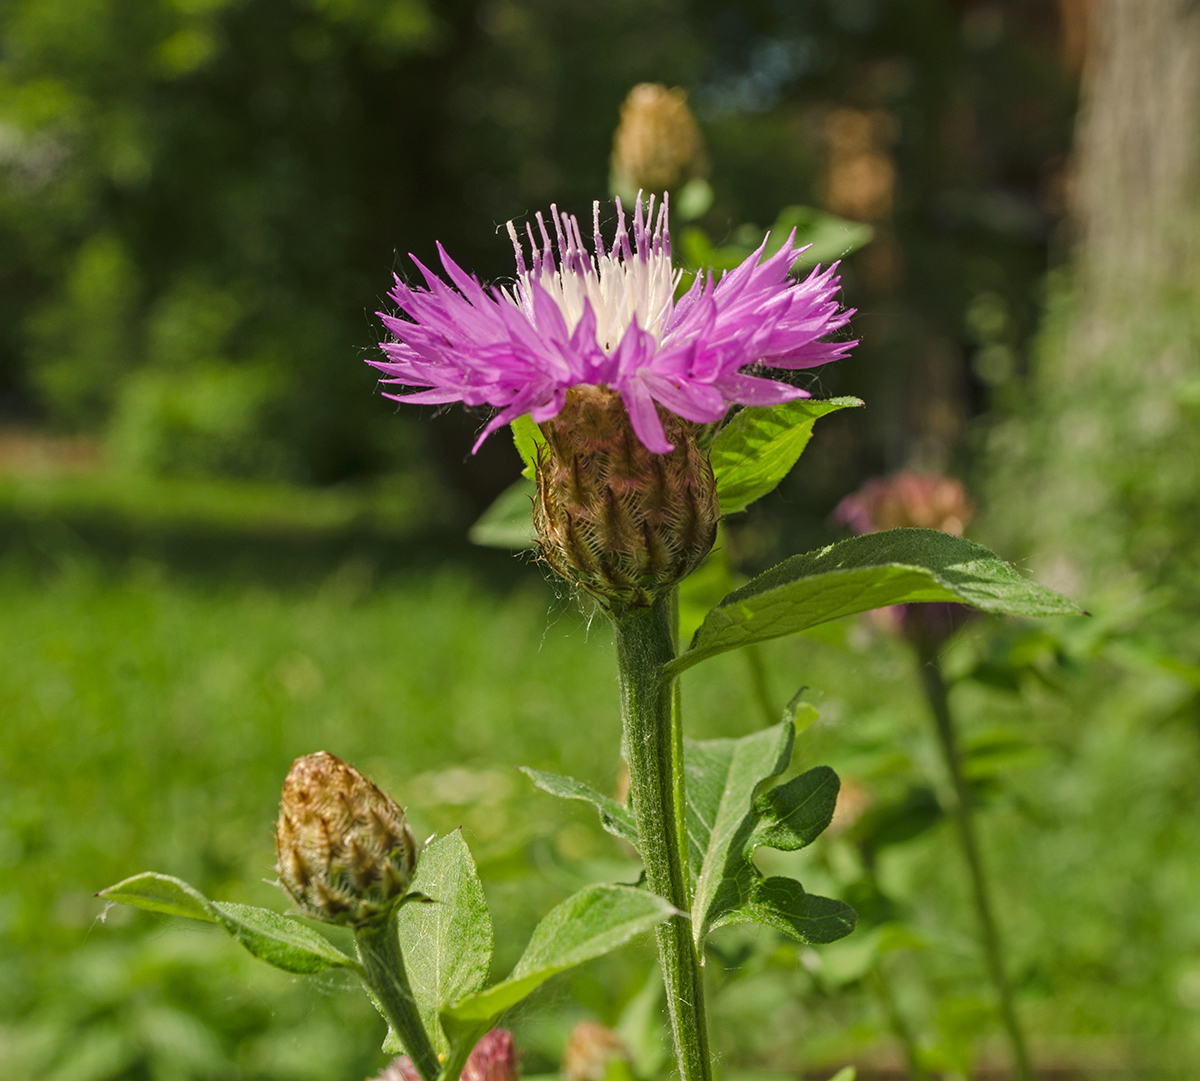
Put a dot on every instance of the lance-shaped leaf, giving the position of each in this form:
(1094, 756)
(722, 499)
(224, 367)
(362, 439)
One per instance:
(616, 819)
(508, 522)
(279, 940)
(592, 922)
(447, 941)
(759, 446)
(729, 815)
(898, 566)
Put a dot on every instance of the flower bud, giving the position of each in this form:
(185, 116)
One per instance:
(590, 1049)
(346, 855)
(657, 144)
(494, 1058)
(912, 500)
(616, 519)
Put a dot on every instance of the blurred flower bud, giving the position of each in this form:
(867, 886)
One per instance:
(617, 519)
(590, 1050)
(907, 500)
(494, 1058)
(854, 799)
(657, 144)
(346, 855)
(925, 500)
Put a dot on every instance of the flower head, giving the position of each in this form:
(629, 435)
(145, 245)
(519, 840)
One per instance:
(346, 855)
(608, 317)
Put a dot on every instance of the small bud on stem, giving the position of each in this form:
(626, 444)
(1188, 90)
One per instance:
(346, 855)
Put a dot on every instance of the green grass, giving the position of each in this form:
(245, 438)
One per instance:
(153, 697)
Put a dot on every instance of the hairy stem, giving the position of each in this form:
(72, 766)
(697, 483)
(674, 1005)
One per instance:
(386, 977)
(964, 820)
(644, 638)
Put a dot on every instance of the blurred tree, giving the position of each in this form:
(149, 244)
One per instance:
(1103, 475)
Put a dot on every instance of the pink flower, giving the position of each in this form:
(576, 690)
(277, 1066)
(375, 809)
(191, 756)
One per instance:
(494, 1058)
(608, 317)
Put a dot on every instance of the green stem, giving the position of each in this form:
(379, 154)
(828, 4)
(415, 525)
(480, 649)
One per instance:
(644, 644)
(760, 683)
(678, 789)
(898, 1024)
(379, 950)
(964, 820)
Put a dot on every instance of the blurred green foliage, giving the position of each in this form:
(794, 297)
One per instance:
(152, 705)
(200, 201)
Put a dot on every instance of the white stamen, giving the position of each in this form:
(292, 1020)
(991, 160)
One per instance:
(621, 283)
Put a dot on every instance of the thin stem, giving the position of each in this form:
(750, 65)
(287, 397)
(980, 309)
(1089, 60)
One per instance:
(898, 1023)
(386, 977)
(760, 683)
(644, 644)
(939, 705)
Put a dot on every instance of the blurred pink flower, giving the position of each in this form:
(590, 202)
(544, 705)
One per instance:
(924, 500)
(608, 317)
(494, 1058)
(911, 500)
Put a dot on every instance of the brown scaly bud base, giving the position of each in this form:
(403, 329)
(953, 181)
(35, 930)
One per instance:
(618, 520)
(346, 855)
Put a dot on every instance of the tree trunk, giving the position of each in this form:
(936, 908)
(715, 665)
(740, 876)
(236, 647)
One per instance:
(1100, 478)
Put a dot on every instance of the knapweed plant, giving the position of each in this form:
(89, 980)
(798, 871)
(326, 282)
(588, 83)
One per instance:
(619, 387)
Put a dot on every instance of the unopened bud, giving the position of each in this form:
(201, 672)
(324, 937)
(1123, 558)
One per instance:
(657, 144)
(924, 500)
(912, 500)
(494, 1058)
(346, 855)
(591, 1049)
(618, 520)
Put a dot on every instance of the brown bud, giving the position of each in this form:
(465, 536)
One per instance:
(590, 1049)
(657, 144)
(618, 520)
(346, 855)
(494, 1058)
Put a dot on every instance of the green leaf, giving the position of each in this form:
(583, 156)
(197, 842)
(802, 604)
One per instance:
(722, 777)
(729, 816)
(508, 522)
(795, 814)
(783, 904)
(830, 237)
(596, 920)
(528, 439)
(757, 448)
(447, 941)
(162, 893)
(899, 566)
(616, 819)
(279, 940)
